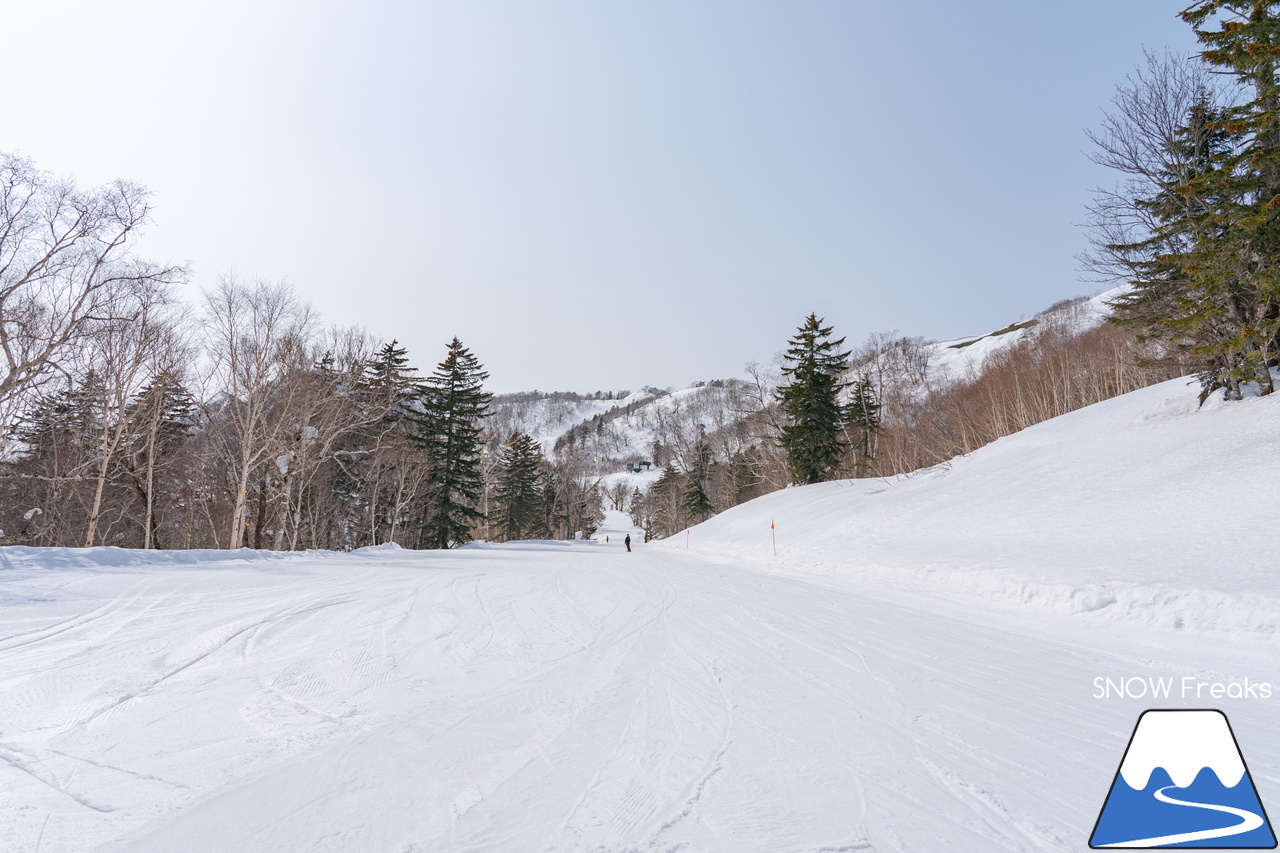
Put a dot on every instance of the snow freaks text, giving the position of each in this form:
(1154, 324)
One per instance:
(1186, 687)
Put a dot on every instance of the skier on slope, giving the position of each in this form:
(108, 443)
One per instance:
(627, 542)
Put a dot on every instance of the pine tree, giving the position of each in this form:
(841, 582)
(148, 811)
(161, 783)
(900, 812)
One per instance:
(164, 414)
(1165, 302)
(453, 404)
(66, 418)
(862, 415)
(815, 365)
(59, 445)
(519, 490)
(551, 518)
(382, 468)
(665, 503)
(1216, 262)
(696, 503)
(390, 382)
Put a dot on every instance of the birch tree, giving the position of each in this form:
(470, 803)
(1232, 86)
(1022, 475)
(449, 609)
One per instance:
(65, 255)
(257, 337)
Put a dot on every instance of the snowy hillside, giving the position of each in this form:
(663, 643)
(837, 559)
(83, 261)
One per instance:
(547, 417)
(961, 358)
(916, 669)
(623, 427)
(1142, 507)
(612, 433)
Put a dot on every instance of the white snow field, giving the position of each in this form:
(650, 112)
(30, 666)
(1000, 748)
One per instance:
(914, 671)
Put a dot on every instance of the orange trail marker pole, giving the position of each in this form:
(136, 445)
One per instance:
(774, 533)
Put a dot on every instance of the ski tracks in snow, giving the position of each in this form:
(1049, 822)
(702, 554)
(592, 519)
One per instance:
(537, 697)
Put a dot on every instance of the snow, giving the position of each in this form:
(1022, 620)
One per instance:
(642, 480)
(547, 419)
(1140, 508)
(914, 671)
(962, 358)
(616, 527)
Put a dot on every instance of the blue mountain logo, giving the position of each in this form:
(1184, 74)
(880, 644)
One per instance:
(1183, 783)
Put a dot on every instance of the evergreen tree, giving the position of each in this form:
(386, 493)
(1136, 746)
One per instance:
(665, 503)
(1165, 302)
(1211, 284)
(638, 509)
(696, 504)
(551, 518)
(163, 415)
(60, 443)
(66, 419)
(452, 406)
(811, 401)
(390, 382)
(519, 493)
(862, 415)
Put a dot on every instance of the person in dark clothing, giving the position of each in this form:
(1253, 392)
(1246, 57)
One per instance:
(627, 542)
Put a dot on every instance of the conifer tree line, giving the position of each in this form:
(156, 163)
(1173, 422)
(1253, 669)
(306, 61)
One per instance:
(1194, 226)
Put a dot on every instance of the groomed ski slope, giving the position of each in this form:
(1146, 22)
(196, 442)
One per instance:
(543, 697)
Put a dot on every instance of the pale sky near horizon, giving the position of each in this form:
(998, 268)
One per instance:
(596, 195)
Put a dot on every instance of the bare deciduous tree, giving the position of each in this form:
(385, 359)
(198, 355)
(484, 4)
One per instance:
(1141, 139)
(65, 254)
(258, 337)
(140, 342)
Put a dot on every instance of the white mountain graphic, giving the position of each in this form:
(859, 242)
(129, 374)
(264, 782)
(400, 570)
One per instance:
(1183, 743)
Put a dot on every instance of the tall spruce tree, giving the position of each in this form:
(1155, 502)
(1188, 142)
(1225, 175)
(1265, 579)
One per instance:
(812, 436)
(666, 504)
(519, 494)
(862, 415)
(390, 381)
(164, 414)
(1214, 255)
(1166, 302)
(697, 503)
(452, 407)
(382, 466)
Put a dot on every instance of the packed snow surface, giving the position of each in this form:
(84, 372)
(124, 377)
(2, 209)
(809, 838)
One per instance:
(916, 669)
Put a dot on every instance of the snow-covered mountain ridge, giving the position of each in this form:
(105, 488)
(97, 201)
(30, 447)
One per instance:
(624, 424)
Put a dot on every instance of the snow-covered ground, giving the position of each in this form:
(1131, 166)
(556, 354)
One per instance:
(914, 671)
(1142, 508)
(546, 420)
(962, 358)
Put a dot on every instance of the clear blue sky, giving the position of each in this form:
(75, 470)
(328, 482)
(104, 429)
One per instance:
(597, 194)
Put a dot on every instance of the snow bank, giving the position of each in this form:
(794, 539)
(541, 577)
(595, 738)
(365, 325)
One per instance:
(24, 556)
(1142, 508)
